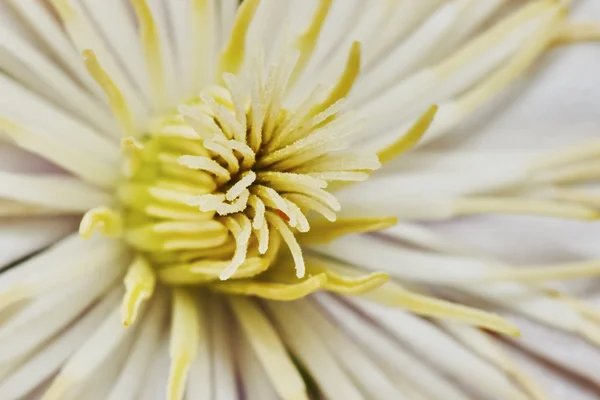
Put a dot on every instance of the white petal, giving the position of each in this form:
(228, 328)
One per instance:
(199, 386)
(54, 191)
(370, 377)
(408, 371)
(224, 375)
(130, 379)
(255, 383)
(20, 237)
(442, 350)
(44, 363)
(43, 317)
(305, 343)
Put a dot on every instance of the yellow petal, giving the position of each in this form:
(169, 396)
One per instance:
(139, 286)
(233, 54)
(307, 42)
(116, 100)
(323, 231)
(345, 83)
(346, 285)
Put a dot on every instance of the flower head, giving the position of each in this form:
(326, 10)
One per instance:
(221, 151)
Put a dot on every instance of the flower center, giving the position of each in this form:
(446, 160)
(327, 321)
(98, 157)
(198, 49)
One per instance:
(231, 176)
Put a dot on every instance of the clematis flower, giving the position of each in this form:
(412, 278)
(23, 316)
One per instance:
(210, 200)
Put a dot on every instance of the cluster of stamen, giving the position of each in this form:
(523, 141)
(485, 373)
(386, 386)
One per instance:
(233, 172)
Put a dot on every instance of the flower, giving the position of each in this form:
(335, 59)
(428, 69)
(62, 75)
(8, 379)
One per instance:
(220, 154)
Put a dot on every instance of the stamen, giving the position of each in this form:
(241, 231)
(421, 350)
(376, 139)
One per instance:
(139, 287)
(323, 232)
(133, 152)
(259, 211)
(241, 230)
(206, 164)
(184, 341)
(107, 221)
(263, 238)
(311, 203)
(224, 152)
(290, 240)
(245, 151)
(247, 179)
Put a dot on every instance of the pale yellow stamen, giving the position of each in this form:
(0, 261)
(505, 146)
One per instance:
(107, 221)
(290, 240)
(263, 238)
(241, 230)
(197, 227)
(225, 153)
(259, 211)
(184, 341)
(133, 151)
(271, 198)
(139, 286)
(313, 204)
(246, 180)
(206, 164)
(151, 45)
